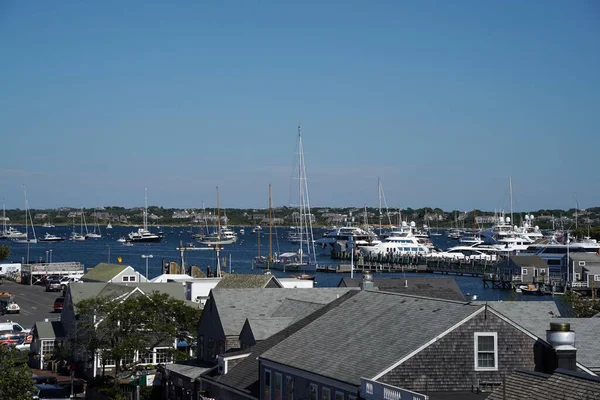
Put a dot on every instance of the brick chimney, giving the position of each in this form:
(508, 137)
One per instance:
(562, 339)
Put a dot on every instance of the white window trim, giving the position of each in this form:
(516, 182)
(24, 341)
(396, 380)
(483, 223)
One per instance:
(476, 352)
(523, 271)
(281, 391)
(316, 390)
(597, 278)
(582, 263)
(577, 276)
(270, 384)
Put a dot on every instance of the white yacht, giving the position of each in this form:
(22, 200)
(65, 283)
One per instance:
(228, 234)
(501, 229)
(12, 233)
(529, 230)
(478, 252)
(400, 242)
(77, 237)
(51, 238)
(143, 235)
(354, 234)
(514, 243)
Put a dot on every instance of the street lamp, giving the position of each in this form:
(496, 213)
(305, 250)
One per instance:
(147, 256)
(108, 246)
(50, 255)
(47, 252)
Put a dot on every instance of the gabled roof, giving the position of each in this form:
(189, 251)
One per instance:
(265, 327)
(245, 375)
(49, 330)
(595, 270)
(586, 333)
(103, 272)
(562, 384)
(525, 310)
(441, 288)
(587, 257)
(345, 355)
(235, 305)
(244, 281)
(529, 261)
(85, 290)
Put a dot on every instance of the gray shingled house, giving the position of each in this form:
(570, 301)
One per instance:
(112, 273)
(249, 281)
(227, 310)
(526, 268)
(85, 290)
(441, 288)
(408, 344)
(585, 267)
(46, 336)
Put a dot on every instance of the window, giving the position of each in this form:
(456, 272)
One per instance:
(325, 394)
(201, 347)
(582, 263)
(128, 278)
(523, 271)
(277, 389)
(597, 278)
(486, 351)
(577, 276)
(125, 278)
(163, 356)
(267, 384)
(289, 388)
(314, 391)
(339, 396)
(146, 357)
(47, 347)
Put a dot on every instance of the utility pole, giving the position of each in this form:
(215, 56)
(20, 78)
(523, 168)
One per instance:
(147, 256)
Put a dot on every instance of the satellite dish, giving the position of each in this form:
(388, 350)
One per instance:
(508, 220)
(412, 224)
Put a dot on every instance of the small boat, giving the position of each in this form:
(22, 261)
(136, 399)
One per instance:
(242, 231)
(121, 240)
(109, 226)
(48, 225)
(128, 244)
(530, 290)
(51, 238)
(76, 237)
(304, 277)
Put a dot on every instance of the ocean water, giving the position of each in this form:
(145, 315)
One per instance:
(238, 255)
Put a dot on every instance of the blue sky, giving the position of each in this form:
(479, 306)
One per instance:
(443, 100)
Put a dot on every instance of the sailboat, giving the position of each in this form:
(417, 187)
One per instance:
(109, 226)
(267, 261)
(28, 219)
(143, 235)
(94, 234)
(10, 232)
(79, 237)
(217, 238)
(305, 256)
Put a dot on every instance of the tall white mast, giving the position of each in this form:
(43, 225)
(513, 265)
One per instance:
(379, 197)
(511, 199)
(145, 209)
(576, 207)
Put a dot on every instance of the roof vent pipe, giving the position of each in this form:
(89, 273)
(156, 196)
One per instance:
(562, 339)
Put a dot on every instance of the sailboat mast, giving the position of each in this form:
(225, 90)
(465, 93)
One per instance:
(145, 209)
(511, 199)
(379, 196)
(576, 207)
(218, 216)
(26, 232)
(270, 228)
(300, 210)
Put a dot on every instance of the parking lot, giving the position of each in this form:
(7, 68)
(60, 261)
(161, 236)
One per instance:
(36, 304)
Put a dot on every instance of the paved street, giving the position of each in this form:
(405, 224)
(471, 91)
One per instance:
(36, 304)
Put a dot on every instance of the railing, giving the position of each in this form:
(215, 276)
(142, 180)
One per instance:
(51, 267)
(579, 284)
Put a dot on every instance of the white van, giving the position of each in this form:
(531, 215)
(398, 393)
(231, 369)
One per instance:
(9, 269)
(10, 326)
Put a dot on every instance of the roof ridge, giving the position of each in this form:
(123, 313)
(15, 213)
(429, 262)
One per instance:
(423, 297)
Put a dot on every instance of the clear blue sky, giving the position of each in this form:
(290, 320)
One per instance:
(444, 100)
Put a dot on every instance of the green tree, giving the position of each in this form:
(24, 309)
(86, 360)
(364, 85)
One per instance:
(15, 379)
(117, 329)
(579, 306)
(4, 252)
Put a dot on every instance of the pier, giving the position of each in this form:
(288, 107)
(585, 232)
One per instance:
(32, 274)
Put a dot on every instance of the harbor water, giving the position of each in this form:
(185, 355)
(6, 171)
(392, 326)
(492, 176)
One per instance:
(237, 256)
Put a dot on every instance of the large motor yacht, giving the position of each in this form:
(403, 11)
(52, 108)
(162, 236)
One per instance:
(401, 242)
(351, 234)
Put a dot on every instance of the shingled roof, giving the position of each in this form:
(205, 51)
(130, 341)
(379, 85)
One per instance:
(85, 290)
(245, 375)
(49, 330)
(529, 261)
(247, 303)
(244, 281)
(562, 384)
(345, 355)
(103, 272)
(441, 288)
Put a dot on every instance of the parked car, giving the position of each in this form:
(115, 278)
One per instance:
(10, 326)
(53, 285)
(78, 386)
(58, 304)
(50, 392)
(44, 380)
(13, 337)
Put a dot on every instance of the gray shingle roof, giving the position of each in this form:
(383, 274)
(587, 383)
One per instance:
(297, 308)
(529, 261)
(441, 288)
(587, 257)
(103, 272)
(49, 330)
(343, 354)
(528, 310)
(85, 290)
(245, 375)
(563, 385)
(595, 270)
(244, 281)
(586, 335)
(235, 305)
(263, 328)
